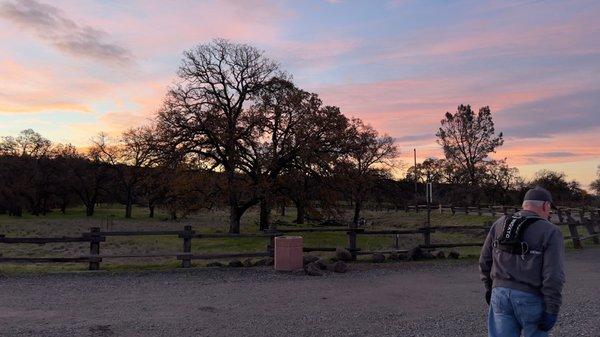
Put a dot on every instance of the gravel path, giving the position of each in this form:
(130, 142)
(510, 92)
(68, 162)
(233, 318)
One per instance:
(443, 298)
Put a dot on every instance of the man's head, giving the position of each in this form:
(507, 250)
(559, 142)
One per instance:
(538, 200)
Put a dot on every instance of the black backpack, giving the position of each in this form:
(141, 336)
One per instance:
(511, 240)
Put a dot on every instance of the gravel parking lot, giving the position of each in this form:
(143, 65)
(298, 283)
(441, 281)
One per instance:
(442, 298)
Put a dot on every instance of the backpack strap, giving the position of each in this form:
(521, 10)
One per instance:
(511, 240)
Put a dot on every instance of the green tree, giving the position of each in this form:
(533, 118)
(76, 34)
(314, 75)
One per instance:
(468, 139)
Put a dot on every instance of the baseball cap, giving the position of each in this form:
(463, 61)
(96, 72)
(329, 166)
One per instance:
(540, 194)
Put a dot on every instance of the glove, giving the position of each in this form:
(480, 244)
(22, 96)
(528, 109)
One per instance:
(547, 321)
(488, 296)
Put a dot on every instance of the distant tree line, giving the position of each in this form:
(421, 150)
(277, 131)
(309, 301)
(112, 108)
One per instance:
(235, 131)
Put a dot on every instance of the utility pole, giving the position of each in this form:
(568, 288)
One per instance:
(415, 171)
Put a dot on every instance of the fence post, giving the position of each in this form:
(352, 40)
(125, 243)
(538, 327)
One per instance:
(352, 239)
(479, 209)
(560, 215)
(441, 209)
(187, 234)
(573, 231)
(94, 248)
(589, 226)
(417, 208)
(466, 209)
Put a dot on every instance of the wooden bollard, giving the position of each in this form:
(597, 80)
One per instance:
(187, 234)
(94, 248)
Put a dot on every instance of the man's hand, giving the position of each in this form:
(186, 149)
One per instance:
(547, 321)
(488, 296)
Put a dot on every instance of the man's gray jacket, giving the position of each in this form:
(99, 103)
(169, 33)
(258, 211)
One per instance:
(540, 272)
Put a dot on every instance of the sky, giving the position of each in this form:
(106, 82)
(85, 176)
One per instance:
(70, 69)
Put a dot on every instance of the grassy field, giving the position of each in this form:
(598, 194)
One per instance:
(111, 218)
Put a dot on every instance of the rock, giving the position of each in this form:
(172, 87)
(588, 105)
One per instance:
(438, 254)
(322, 264)
(259, 262)
(236, 263)
(306, 259)
(214, 264)
(415, 254)
(427, 255)
(394, 256)
(269, 261)
(378, 257)
(343, 254)
(247, 262)
(454, 254)
(338, 267)
(313, 270)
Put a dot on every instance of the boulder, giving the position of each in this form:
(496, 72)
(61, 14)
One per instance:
(306, 259)
(454, 254)
(427, 255)
(438, 254)
(312, 269)
(343, 254)
(415, 254)
(214, 264)
(378, 257)
(247, 262)
(394, 256)
(338, 267)
(236, 263)
(322, 264)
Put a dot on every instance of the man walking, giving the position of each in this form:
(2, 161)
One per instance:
(521, 265)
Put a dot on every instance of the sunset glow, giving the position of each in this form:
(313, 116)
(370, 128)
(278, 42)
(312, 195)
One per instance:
(71, 69)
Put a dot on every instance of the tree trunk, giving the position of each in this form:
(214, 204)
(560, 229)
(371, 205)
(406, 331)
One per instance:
(357, 208)
(128, 203)
(265, 214)
(63, 205)
(234, 220)
(89, 209)
(300, 213)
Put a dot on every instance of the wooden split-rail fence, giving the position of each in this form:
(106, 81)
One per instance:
(95, 237)
(494, 210)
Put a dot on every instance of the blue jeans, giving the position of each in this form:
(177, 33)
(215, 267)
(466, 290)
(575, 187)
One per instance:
(512, 312)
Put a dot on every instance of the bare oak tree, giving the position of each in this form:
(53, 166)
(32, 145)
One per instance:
(206, 112)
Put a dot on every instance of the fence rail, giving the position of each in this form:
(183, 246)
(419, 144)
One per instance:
(95, 237)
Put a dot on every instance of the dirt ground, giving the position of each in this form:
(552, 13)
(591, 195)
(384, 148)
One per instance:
(441, 298)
